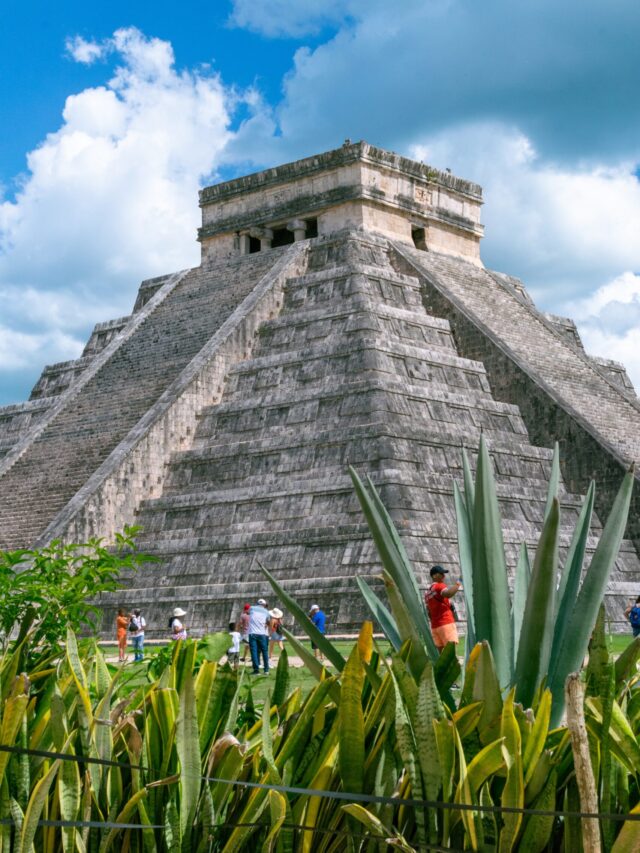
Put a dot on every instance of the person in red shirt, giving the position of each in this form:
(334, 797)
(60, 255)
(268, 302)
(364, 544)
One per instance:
(443, 623)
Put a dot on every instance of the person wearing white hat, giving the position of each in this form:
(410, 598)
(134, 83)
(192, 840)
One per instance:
(178, 628)
(275, 630)
(259, 620)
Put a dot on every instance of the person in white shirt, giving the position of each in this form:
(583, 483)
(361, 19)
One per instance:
(178, 629)
(137, 635)
(233, 653)
(259, 620)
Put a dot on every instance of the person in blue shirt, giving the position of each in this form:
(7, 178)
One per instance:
(319, 620)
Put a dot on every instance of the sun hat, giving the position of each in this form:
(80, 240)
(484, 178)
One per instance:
(438, 570)
(313, 607)
(262, 602)
(179, 612)
(276, 613)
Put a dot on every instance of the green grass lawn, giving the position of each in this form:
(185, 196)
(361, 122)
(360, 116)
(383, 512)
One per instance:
(299, 676)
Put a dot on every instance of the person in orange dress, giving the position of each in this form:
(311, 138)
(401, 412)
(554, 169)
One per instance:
(122, 623)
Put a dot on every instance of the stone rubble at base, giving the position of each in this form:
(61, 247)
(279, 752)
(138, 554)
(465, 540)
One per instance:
(341, 315)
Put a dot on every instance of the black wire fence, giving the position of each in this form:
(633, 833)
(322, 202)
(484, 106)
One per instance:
(345, 796)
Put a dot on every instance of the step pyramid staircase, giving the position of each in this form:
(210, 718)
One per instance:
(352, 371)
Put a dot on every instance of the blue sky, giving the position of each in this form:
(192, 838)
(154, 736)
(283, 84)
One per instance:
(117, 113)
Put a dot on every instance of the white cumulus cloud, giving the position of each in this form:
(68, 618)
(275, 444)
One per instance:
(110, 197)
(86, 52)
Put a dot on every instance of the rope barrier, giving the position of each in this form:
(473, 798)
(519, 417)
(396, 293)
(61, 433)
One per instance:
(333, 795)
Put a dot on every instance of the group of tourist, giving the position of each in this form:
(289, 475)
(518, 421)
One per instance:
(257, 631)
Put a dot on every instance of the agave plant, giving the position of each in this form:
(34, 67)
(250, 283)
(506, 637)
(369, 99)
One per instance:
(537, 634)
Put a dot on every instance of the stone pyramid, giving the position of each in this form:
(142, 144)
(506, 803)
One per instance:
(340, 315)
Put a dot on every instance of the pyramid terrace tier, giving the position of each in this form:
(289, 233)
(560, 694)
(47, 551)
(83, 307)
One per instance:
(352, 402)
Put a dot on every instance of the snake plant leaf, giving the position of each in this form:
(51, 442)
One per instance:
(277, 815)
(380, 613)
(326, 646)
(351, 725)
(34, 809)
(625, 665)
(554, 480)
(628, 840)
(429, 708)
(572, 572)
(281, 686)
(13, 713)
(188, 748)
(465, 550)
(537, 737)
(583, 616)
(491, 600)
(392, 553)
(520, 590)
(486, 689)
(537, 829)
(536, 635)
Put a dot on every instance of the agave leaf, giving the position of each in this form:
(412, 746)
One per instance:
(315, 667)
(380, 613)
(554, 480)
(575, 555)
(538, 621)
(583, 615)
(392, 554)
(469, 488)
(418, 652)
(326, 646)
(465, 550)
(520, 590)
(491, 600)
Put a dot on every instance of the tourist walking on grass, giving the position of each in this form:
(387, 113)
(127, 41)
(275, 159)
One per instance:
(178, 628)
(441, 614)
(320, 621)
(136, 629)
(259, 619)
(633, 615)
(275, 631)
(243, 628)
(122, 623)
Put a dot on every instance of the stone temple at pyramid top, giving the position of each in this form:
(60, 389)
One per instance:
(355, 186)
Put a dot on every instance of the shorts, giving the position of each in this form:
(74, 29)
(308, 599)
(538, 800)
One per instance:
(444, 634)
(276, 638)
(233, 657)
(245, 639)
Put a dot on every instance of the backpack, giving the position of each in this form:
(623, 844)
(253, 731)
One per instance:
(132, 624)
(634, 616)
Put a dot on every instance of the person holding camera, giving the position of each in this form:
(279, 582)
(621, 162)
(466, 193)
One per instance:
(439, 606)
